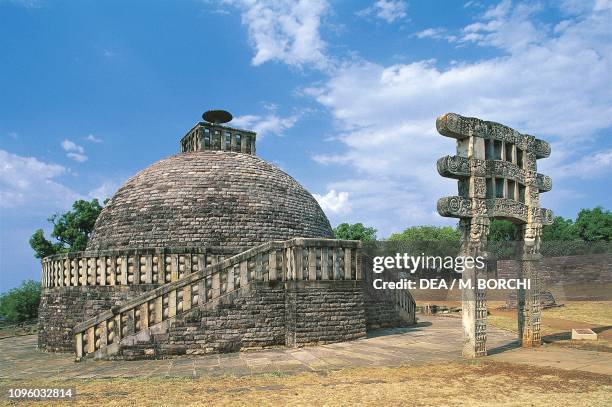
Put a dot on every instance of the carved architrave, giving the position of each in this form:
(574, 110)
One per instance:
(460, 127)
(461, 207)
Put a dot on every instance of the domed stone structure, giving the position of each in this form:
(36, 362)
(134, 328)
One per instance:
(210, 250)
(208, 198)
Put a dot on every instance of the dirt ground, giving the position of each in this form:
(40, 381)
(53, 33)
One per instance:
(475, 383)
(28, 328)
(557, 323)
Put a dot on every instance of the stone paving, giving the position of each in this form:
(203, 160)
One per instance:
(434, 339)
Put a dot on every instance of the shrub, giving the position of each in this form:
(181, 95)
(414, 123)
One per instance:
(21, 303)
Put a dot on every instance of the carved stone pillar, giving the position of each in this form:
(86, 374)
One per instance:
(473, 301)
(528, 303)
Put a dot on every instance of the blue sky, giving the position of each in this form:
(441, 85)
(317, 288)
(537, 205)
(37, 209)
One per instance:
(343, 94)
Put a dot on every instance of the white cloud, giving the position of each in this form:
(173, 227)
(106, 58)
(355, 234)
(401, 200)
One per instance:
(74, 151)
(507, 27)
(92, 138)
(388, 10)
(266, 124)
(29, 181)
(593, 165)
(32, 185)
(553, 84)
(335, 202)
(284, 30)
(106, 190)
(435, 33)
(438, 33)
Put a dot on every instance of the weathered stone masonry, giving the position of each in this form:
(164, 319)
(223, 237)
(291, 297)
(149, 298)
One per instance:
(266, 314)
(211, 250)
(62, 308)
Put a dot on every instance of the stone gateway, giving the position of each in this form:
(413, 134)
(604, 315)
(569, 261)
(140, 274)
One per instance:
(497, 178)
(210, 250)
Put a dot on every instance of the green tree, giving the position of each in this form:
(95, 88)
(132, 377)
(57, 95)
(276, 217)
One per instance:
(503, 231)
(356, 231)
(427, 233)
(21, 303)
(594, 224)
(561, 230)
(71, 230)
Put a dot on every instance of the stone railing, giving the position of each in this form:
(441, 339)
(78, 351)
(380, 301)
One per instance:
(295, 259)
(405, 303)
(128, 267)
(209, 136)
(402, 299)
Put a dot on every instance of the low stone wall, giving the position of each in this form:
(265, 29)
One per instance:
(256, 318)
(381, 312)
(381, 306)
(589, 268)
(324, 311)
(61, 308)
(266, 314)
(565, 278)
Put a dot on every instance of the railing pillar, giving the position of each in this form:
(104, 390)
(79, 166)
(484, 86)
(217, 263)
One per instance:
(91, 340)
(298, 272)
(216, 283)
(348, 275)
(113, 270)
(244, 274)
(149, 269)
(102, 270)
(187, 298)
(272, 270)
(312, 264)
(174, 276)
(171, 303)
(325, 263)
(79, 345)
(230, 280)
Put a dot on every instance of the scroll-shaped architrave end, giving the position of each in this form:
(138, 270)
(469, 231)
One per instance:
(541, 148)
(450, 125)
(544, 182)
(547, 216)
(455, 207)
(453, 167)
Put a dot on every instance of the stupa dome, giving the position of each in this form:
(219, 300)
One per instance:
(208, 198)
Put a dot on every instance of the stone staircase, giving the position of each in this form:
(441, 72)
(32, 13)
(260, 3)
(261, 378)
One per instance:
(136, 328)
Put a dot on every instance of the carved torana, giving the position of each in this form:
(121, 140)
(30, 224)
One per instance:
(496, 170)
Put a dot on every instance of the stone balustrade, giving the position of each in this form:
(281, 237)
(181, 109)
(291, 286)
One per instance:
(297, 259)
(128, 267)
(405, 303)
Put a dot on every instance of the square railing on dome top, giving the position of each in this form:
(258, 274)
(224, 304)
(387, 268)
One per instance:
(209, 136)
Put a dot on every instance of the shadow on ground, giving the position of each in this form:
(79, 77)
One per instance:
(504, 348)
(402, 330)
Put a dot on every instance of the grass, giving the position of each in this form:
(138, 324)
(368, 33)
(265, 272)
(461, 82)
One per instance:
(474, 383)
(557, 323)
(592, 312)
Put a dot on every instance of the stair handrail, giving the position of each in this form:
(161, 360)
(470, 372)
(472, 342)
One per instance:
(294, 259)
